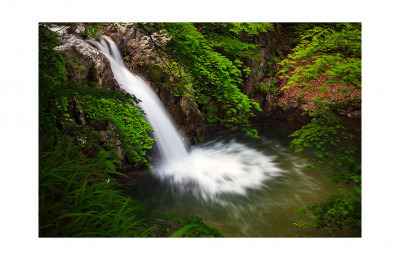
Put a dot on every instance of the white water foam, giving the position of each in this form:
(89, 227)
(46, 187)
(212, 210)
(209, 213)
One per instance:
(220, 168)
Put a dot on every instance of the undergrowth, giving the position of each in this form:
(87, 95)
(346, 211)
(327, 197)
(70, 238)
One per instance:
(77, 197)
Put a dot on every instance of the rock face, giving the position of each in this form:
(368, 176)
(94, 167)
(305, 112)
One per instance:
(261, 71)
(86, 64)
(259, 67)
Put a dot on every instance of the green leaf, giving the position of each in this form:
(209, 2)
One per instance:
(186, 229)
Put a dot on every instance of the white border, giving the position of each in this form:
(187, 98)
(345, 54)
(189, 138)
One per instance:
(18, 186)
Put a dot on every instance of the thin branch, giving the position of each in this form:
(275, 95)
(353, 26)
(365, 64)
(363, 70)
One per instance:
(156, 47)
(59, 29)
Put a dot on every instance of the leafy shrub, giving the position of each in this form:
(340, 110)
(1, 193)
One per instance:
(60, 100)
(329, 142)
(333, 50)
(77, 196)
(191, 226)
(268, 87)
(214, 78)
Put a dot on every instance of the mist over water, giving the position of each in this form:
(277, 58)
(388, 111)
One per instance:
(221, 168)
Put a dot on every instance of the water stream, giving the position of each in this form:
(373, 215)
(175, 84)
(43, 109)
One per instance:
(243, 186)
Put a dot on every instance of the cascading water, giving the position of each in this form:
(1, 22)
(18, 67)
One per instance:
(169, 141)
(216, 169)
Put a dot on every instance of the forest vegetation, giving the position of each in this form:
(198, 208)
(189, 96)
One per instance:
(79, 169)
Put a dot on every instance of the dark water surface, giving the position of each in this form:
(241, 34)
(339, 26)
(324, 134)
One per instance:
(267, 210)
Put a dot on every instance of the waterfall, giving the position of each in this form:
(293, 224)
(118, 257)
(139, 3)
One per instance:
(170, 142)
(208, 170)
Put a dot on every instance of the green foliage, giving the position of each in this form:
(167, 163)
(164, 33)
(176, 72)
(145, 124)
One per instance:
(127, 127)
(93, 29)
(197, 228)
(335, 213)
(89, 29)
(77, 197)
(250, 28)
(184, 85)
(331, 145)
(191, 226)
(332, 149)
(60, 101)
(200, 52)
(268, 87)
(233, 40)
(51, 62)
(271, 66)
(331, 50)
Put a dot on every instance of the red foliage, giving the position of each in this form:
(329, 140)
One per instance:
(332, 90)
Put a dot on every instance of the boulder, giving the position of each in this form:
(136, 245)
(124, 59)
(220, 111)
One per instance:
(86, 64)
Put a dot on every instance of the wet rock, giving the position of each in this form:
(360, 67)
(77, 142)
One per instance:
(193, 122)
(79, 113)
(110, 136)
(284, 106)
(270, 103)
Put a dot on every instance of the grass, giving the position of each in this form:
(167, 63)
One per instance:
(77, 197)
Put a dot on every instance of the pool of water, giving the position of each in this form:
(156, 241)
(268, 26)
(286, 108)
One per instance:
(246, 187)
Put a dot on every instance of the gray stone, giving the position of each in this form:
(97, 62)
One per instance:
(86, 63)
